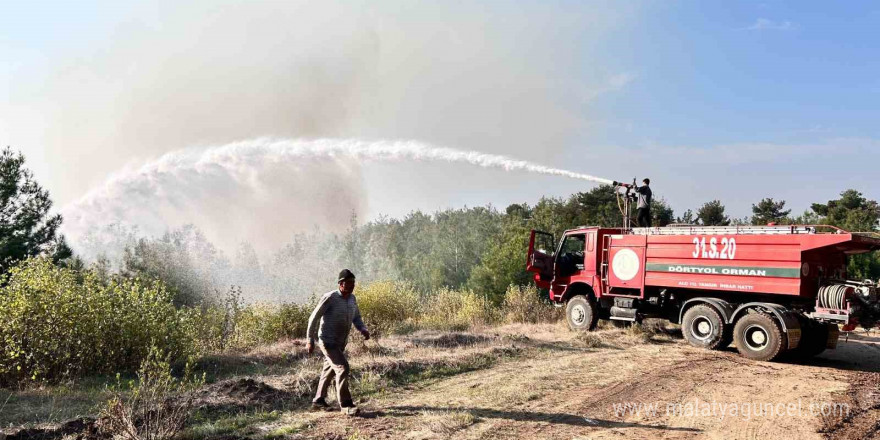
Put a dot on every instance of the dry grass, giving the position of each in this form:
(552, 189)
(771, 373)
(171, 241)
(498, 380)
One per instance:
(49, 404)
(447, 422)
(648, 331)
(590, 339)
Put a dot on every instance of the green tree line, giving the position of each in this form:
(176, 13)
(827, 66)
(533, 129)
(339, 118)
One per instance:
(479, 248)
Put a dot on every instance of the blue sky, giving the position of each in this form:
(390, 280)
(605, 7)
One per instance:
(734, 100)
(751, 72)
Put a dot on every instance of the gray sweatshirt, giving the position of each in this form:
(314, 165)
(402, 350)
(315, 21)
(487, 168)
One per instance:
(644, 196)
(335, 314)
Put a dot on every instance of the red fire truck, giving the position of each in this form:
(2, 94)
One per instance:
(769, 289)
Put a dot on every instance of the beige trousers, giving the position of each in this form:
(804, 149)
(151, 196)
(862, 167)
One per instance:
(335, 365)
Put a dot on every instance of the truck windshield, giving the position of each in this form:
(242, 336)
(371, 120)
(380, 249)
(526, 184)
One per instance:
(571, 255)
(573, 244)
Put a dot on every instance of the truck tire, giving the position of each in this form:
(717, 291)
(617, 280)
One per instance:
(758, 337)
(581, 313)
(702, 326)
(814, 339)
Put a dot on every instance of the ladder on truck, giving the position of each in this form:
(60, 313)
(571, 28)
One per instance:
(737, 230)
(603, 268)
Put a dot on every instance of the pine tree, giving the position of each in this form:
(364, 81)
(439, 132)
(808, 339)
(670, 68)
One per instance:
(712, 214)
(769, 211)
(26, 228)
(687, 218)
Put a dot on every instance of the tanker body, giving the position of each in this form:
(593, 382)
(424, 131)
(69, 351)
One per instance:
(771, 289)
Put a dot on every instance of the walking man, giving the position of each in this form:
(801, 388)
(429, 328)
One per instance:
(331, 322)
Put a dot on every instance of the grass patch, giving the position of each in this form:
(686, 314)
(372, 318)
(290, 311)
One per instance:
(378, 377)
(40, 403)
(447, 422)
(590, 339)
(285, 431)
(268, 360)
(206, 424)
(647, 332)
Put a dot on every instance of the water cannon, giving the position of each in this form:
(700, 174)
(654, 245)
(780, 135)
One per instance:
(628, 198)
(624, 185)
(629, 188)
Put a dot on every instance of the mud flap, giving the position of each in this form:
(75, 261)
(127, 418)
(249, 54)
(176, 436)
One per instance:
(792, 328)
(833, 336)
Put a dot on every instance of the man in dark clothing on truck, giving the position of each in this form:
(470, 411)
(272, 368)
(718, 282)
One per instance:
(644, 201)
(644, 205)
(330, 323)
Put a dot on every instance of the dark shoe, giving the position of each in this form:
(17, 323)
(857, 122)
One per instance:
(349, 409)
(320, 404)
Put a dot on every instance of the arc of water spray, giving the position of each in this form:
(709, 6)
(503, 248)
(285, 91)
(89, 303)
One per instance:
(253, 151)
(380, 150)
(419, 151)
(130, 194)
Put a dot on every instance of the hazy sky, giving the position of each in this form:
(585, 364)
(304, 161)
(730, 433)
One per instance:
(728, 100)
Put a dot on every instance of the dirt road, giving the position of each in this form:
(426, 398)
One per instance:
(615, 388)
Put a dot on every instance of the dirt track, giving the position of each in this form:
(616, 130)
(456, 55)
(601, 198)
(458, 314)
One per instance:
(569, 392)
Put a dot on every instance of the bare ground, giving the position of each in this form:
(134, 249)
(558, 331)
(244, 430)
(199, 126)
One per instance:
(542, 381)
(569, 392)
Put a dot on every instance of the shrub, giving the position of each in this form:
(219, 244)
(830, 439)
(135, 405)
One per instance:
(207, 328)
(56, 322)
(523, 304)
(477, 309)
(157, 405)
(295, 319)
(440, 311)
(259, 324)
(234, 325)
(388, 306)
(448, 309)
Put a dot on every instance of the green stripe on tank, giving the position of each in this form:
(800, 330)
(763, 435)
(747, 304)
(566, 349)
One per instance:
(778, 272)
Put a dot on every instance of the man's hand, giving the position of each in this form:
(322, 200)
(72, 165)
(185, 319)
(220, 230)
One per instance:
(366, 334)
(310, 347)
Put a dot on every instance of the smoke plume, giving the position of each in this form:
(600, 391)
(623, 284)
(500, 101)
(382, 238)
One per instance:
(144, 79)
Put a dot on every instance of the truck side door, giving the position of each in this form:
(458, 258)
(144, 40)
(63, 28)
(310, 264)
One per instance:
(540, 257)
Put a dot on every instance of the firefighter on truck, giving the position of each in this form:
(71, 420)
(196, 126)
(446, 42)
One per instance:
(644, 202)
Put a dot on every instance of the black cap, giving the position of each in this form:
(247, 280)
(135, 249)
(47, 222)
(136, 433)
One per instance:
(345, 274)
(646, 180)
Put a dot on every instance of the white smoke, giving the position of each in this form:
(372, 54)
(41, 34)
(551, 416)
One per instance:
(261, 191)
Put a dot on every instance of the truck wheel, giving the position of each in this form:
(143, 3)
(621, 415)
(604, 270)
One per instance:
(814, 339)
(581, 313)
(758, 337)
(703, 327)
